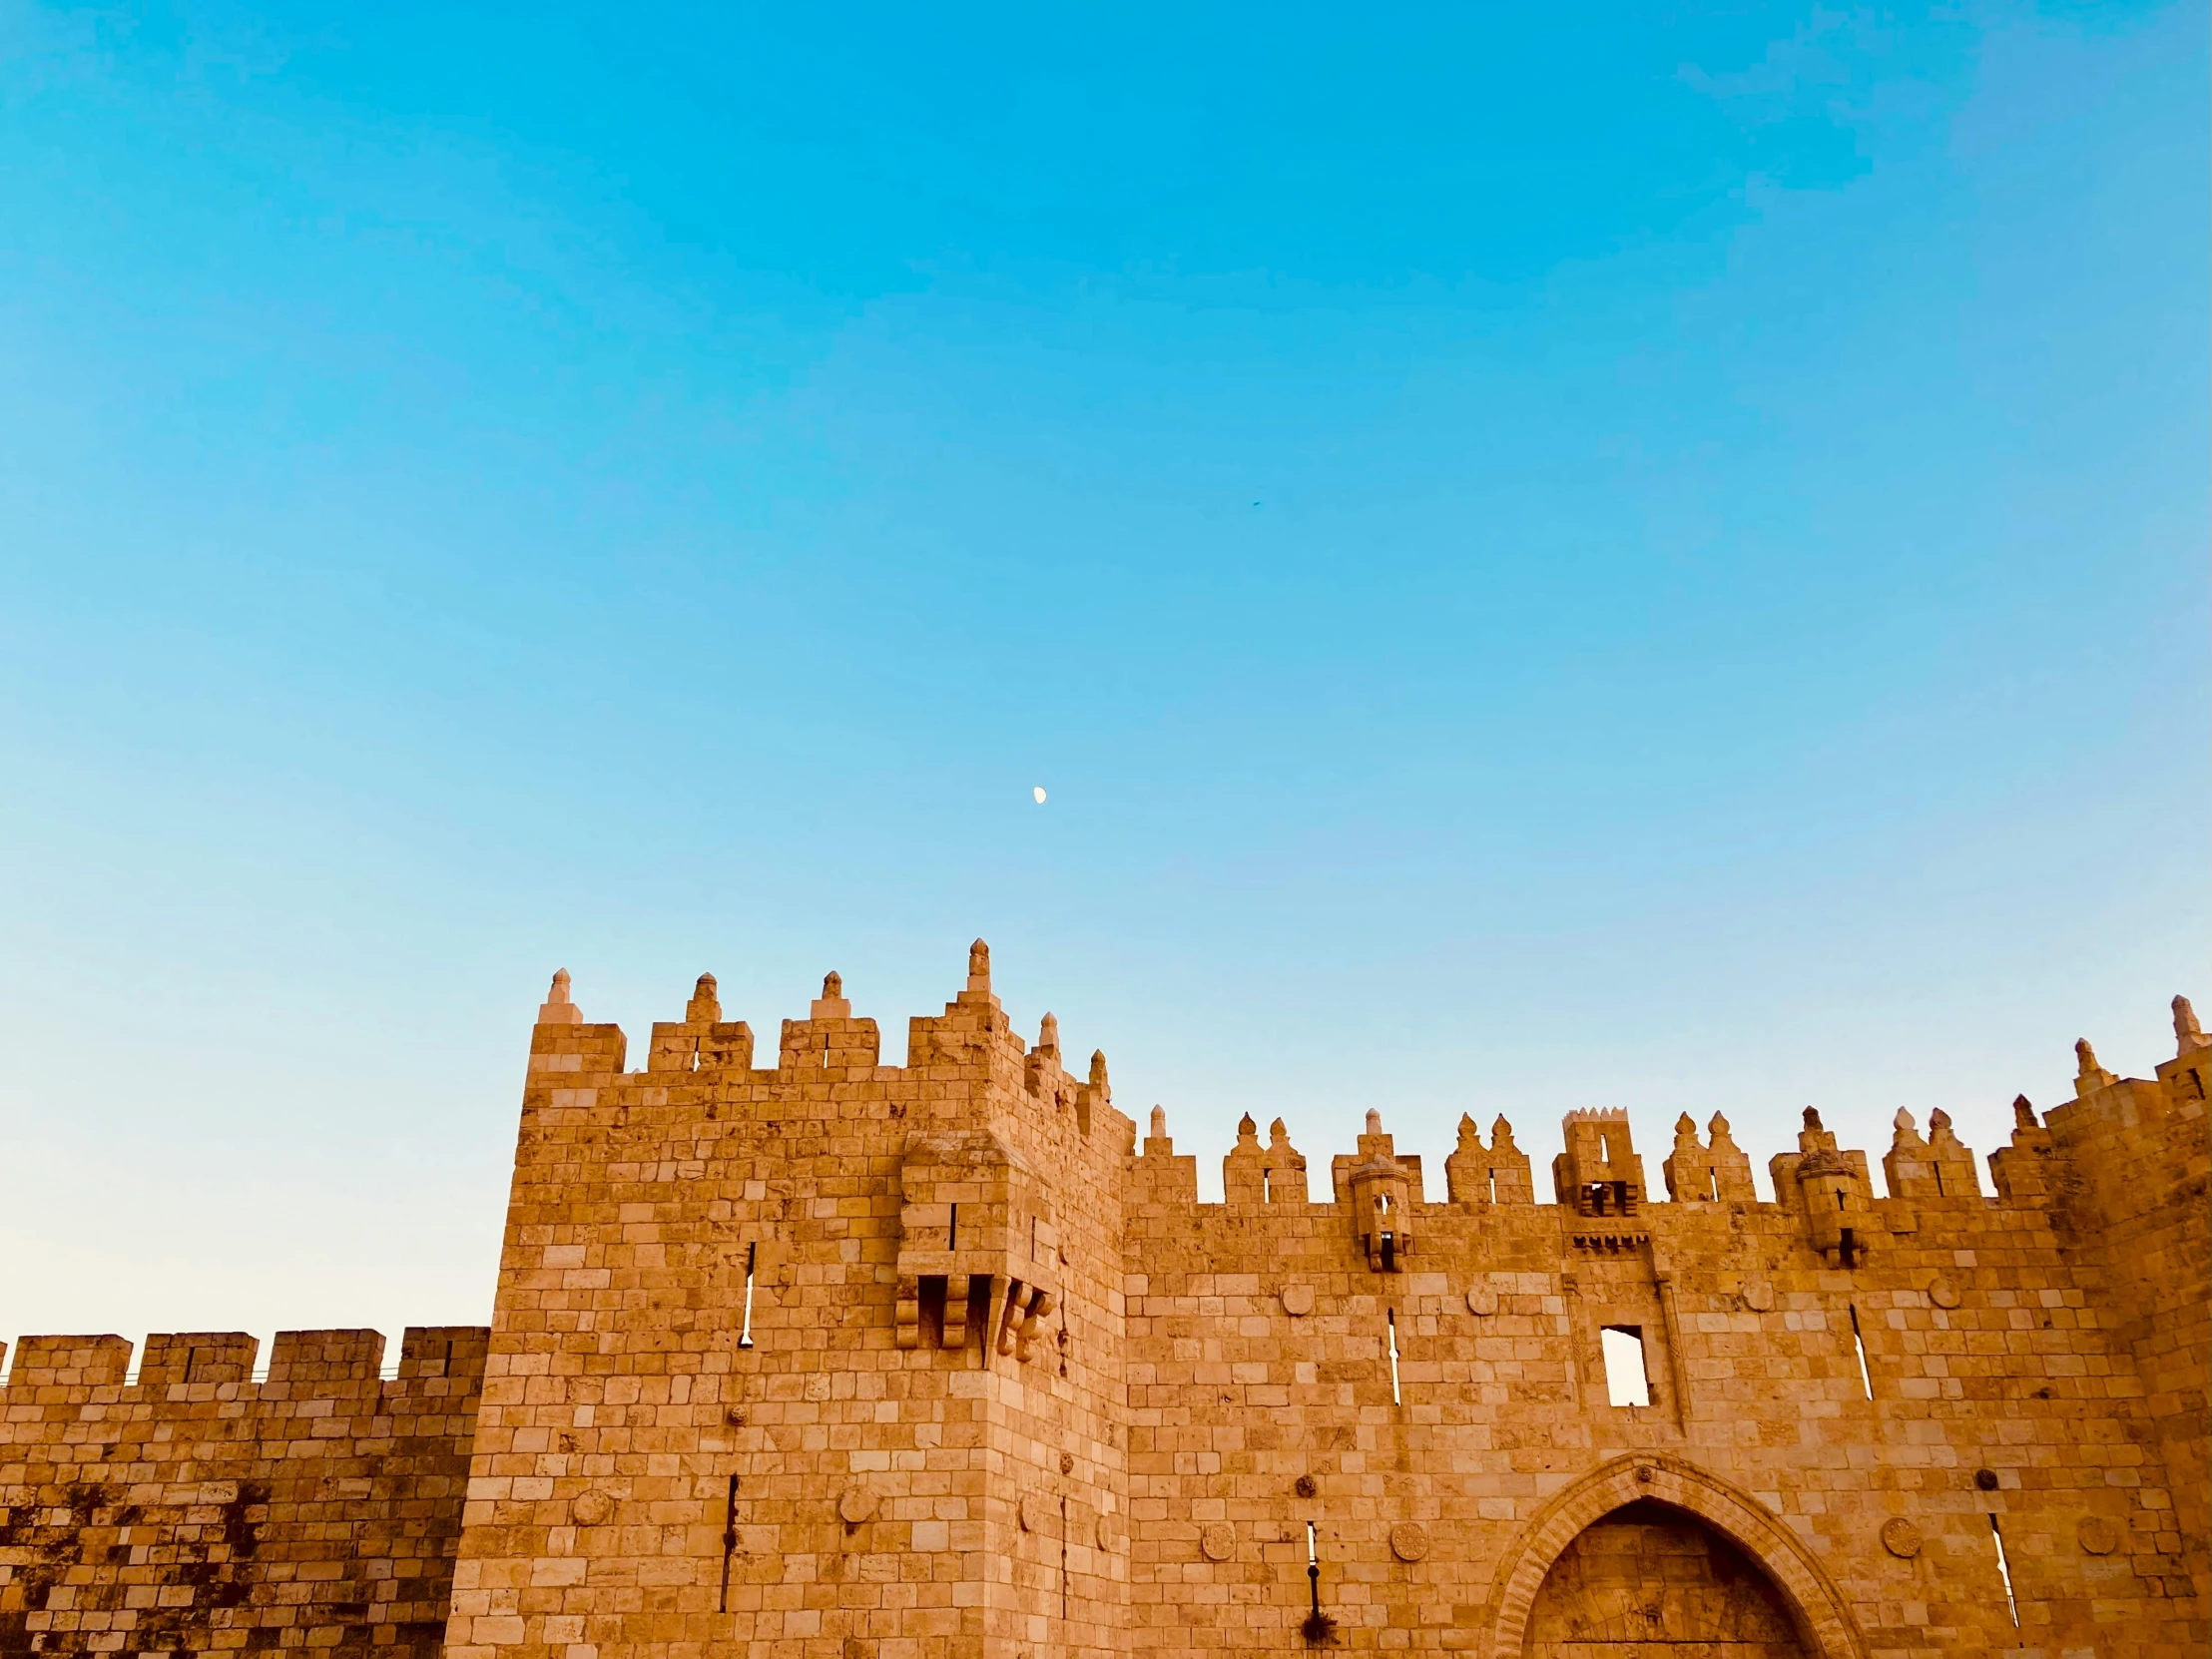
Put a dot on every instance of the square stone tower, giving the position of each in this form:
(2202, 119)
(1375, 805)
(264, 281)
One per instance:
(821, 1357)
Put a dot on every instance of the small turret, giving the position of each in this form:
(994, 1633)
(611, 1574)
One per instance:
(1380, 1190)
(1832, 1190)
(1599, 1174)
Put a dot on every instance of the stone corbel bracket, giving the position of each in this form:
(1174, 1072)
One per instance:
(978, 1253)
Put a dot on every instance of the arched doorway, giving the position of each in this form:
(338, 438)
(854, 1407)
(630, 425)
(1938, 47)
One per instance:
(1651, 1581)
(1819, 1624)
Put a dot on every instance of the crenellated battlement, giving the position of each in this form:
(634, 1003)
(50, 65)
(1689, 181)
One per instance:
(1596, 1175)
(299, 1364)
(209, 1502)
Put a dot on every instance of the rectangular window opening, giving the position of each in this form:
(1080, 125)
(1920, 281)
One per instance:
(1493, 1185)
(1395, 1397)
(751, 1255)
(2004, 1571)
(1267, 1186)
(953, 1227)
(1859, 1341)
(1713, 1179)
(1626, 1381)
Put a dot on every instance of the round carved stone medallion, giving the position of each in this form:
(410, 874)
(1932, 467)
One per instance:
(1943, 1294)
(1409, 1540)
(1219, 1541)
(1483, 1302)
(855, 1505)
(591, 1507)
(1297, 1300)
(1900, 1537)
(1758, 1298)
(2098, 1536)
(1307, 1486)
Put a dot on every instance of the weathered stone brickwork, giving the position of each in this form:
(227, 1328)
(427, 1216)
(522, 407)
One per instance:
(827, 1358)
(198, 1510)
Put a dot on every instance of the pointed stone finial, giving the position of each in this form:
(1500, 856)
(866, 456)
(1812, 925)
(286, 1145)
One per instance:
(1938, 1125)
(1685, 1128)
(2023, 1114)
(1718, 1129)
(1098, 1068)
(1048, 1035)
(980, 968)
(1159, 1123)
(1276, 1134)
(557, 1009)
(2188, 1034)
(705, 1007)
(1375, 1121)
(2085, 1058)
(1470, 1138)
(1248, 1132)
(1905, 1124)
(1501, 1135)
(830, 1005)
(1812, 1117)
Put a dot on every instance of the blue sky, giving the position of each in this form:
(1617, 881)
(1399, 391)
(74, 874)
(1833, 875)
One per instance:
(1545, 557)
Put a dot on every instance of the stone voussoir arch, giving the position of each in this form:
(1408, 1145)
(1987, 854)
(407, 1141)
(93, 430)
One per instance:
(1824, 1620)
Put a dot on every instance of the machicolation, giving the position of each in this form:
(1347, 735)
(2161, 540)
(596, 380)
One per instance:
(831, 1359)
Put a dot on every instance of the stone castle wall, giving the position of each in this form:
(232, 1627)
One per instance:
(819, 1357)
(195, 1509)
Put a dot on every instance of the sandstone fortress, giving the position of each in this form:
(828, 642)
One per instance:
(800, 1355)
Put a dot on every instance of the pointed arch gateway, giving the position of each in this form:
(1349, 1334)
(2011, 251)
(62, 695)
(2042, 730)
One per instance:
(1641, 1486)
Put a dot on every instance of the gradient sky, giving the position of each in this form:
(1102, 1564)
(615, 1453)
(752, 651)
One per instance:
(1547, 557)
